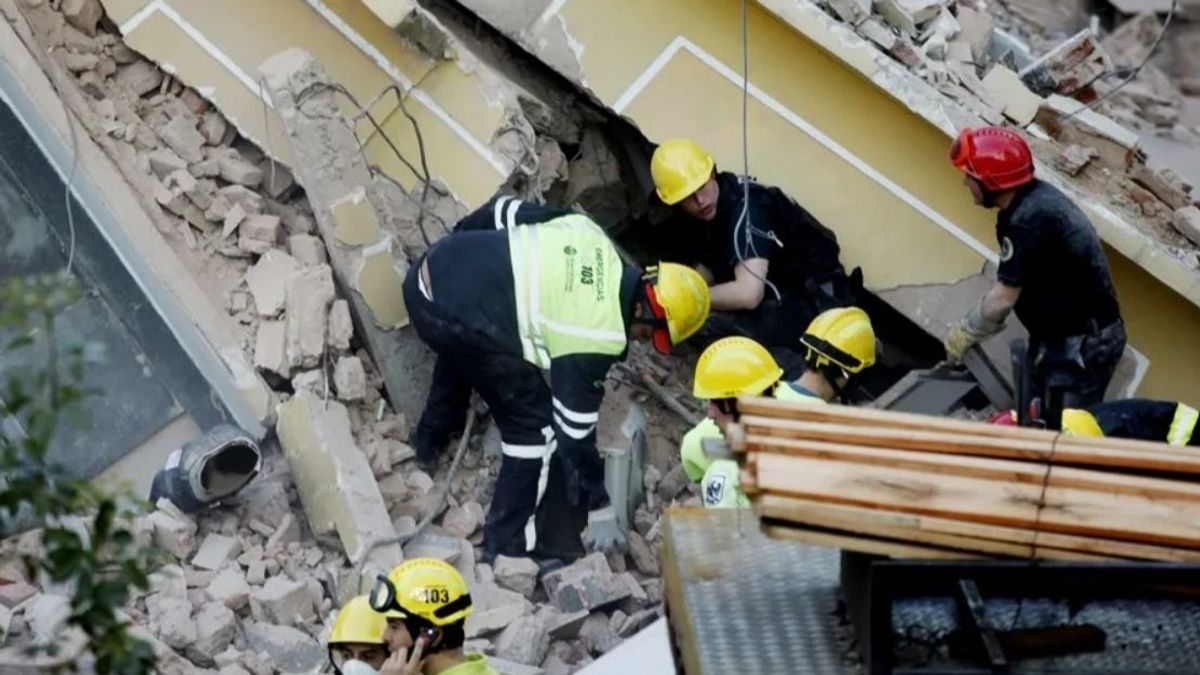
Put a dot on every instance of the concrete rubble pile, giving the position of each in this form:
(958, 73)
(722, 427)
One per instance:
(251, 586)
(1037, 65)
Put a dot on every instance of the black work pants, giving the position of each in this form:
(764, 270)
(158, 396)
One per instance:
(530, 494)
(1080, 366)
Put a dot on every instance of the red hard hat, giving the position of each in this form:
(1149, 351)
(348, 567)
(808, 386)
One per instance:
(996, 157)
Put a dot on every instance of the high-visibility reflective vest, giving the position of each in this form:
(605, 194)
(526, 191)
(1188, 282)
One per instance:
(719, 478)
(567, 282)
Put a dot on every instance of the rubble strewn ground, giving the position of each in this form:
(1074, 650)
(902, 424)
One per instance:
(251, 585)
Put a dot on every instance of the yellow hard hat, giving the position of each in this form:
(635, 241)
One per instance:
(679, 168)
(680, 301)
(842, 337)
(735, 366)
(1080, 423)
(427, 588)
(357, 623)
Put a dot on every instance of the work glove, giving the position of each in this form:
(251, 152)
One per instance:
(973, 329)
(602, 532)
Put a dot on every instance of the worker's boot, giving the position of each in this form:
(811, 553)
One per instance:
(208, 469)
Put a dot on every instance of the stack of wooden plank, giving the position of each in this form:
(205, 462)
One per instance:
(914, 486)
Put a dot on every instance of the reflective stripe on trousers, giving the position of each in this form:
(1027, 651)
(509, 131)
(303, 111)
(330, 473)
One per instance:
(543, 452)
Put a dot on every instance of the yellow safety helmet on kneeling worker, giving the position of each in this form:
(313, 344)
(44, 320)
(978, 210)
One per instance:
(679, 167)
(679, 302)
(426, 588)
(841, 337)
(732, 367)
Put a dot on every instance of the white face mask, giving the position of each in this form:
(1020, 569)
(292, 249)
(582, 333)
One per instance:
(356, 667)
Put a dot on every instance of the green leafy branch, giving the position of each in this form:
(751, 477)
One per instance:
(102, 563)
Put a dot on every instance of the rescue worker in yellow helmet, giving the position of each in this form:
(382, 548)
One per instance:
(1136, 419)
(774, 266)
(540, 289)
(838, 344)
(356, 644)
(427, 603)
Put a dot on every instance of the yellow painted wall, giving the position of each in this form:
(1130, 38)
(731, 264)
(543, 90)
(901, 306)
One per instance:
(893, 243)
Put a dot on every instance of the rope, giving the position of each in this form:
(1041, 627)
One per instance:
(1037, 522)
(1136, 71)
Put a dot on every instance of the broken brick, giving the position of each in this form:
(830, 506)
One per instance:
(1187, 222)
(308, 295)
(13, 594)
(1165, 184)
(341, 327)
(180, 135)
(1070, 67)
(524, 641)
(270, 348)
(171, 618)
(83, 14)
(258, 233)
(285, 601)
(587, 584)
(268, 281)
(852, 12)
(215, 551)
(516, 574)
(230, 588)
(234, 169)
(1020, 104)
(909, 16)
(216, 626)
(308, 250)
(212, 126)
(1074, 158)
(175, 535)
(350, 379)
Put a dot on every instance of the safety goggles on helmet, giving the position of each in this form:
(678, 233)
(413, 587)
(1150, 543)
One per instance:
(383, 599)
(658, 315)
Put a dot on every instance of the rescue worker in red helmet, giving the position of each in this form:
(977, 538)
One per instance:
(1052, 274)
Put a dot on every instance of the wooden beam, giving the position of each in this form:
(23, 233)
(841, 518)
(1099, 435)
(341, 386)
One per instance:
(1016, 542)
(1158, 458)
(1066, 510)
(978, 467)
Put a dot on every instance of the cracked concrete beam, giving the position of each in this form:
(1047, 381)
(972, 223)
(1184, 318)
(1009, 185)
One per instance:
(348, 211)
(335, 482)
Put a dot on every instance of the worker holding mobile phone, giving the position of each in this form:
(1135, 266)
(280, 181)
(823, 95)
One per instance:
(426, 602)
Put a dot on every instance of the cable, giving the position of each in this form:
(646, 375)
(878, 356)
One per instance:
(1136, 71)
(401, 540)
(744, 228)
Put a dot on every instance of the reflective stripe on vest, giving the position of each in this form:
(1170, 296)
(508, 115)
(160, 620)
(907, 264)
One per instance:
(785, 392)
(1183, 425)
(567, 280)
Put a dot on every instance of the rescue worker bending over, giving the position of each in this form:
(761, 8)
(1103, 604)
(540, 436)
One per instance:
(838, 344)
(500, 306)
(356, 643)
(1135, 418)
(1053, 273)
(426, 602)
(774, 266)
